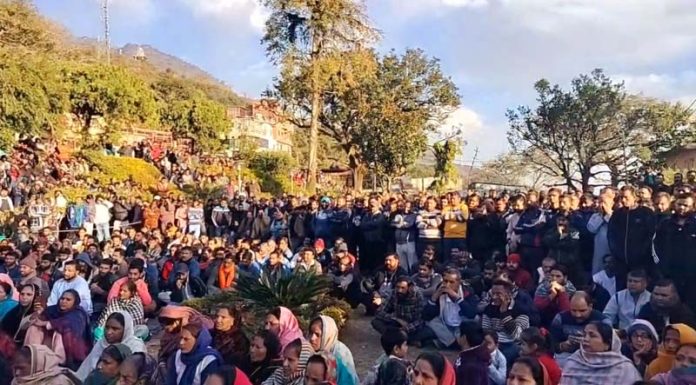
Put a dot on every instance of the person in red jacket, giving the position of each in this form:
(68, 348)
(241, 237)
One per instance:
(535, 343)
(517, 274)
(553, 294)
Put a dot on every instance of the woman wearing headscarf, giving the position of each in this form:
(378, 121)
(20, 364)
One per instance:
(107, 370)
(7, 279)
(599, 360)
(641, 347)
(194, 360)
(433, 368)
(321, 369)
(138, 369)
(684, 370)
(295, 357)
(283, 323)
(528, 371)
(673, 337)
(16, 321)
(264, 356)
(39, 365)
(323, 336)
(66, 326)
(6, 301)
(173, 318)
(128, 301)
(229, 339)
(119, 329)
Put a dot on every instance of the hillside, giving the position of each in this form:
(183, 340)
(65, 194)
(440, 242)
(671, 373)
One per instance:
(165, 62)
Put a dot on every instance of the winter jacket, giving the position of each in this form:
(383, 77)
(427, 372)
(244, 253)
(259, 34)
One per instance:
(120, 211)
(622, 309)
(221, 216)
(429, 224)
(321, 222)
(630, 235)
(529, 227)
(564, 249)
(471, 366)
(372, 227)
(675, 248)
(404, 228)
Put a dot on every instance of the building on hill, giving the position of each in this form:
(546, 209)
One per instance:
(683, 158)
(263, 122)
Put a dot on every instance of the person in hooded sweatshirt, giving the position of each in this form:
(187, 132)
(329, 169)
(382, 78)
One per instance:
(674, 336)
(630, 235)
(471, 366)
(641, 347)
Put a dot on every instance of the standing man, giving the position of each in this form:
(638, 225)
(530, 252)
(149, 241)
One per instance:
(405, 235)
(598, 225)
(630, 235)
(455, 217)
(372, 246)
(428, 222)
(221, 217)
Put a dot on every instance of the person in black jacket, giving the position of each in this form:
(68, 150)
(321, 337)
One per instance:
(379, 286)
(675, 248)
(185, 286)
(630, 235)
(665, 307)
(372, 245)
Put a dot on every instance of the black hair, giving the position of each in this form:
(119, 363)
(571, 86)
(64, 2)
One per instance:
(70, 263)
(507, 285)
(490, 265)
(534, 335)
(436, 361)
(7, 288)
(232, 310)
(106, 261)
(295, 345)
(275, 311)
(473, 333)
(491, 333)
(228, 373)
(638, 273)
(605, 331)
(271, 342)
(584, 295)
(137, 263)
(75, 295)
(317, 359)
(561, 268)
(392, 338)
(113, 352)
(534, 366)
(118, 317)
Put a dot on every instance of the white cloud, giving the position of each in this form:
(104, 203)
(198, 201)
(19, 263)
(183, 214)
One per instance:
(463, 118)
(679, 86)
(249, 12)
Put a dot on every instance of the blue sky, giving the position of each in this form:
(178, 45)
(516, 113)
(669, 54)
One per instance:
(493, 49)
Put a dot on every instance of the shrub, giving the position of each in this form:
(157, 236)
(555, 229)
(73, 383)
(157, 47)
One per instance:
(122, 168)
(273, 169)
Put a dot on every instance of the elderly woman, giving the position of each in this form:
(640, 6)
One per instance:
(66, 328)
(323, 336)
(599, 360)
(119, 329)
(39, 365)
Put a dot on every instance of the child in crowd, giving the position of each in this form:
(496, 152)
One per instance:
(393, 364)
(497, 370)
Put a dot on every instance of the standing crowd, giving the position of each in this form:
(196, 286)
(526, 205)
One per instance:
(540, 288)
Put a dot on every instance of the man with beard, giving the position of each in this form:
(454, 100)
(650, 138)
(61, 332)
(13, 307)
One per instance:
(675, 248)
(346, 281)
(27, 270)
(372, 245)
(71, 280)
(567, 328)
(553, 294)
(100, 285)
(505, 316)
(630, 234)
(403, 309)
(517, 205)
(426, 279)
(379, 286)
(297, 223)
(666, 308)
(518, 274)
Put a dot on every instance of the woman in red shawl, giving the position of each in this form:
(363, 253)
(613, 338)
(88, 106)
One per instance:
(433, 369)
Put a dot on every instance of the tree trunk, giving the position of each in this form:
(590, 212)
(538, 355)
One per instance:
(358, 172)
(313, 142)
(585, 180)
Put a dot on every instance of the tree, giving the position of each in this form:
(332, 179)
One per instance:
(301, 34)
(32, 96)
(570, 133)
(273, 168)
(190, 113)
(108, 91)
(510, 169)
(21, 27)
(445, 170)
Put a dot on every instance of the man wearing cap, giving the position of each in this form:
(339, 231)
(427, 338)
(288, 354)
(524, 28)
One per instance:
(322, 253)
(27, 270)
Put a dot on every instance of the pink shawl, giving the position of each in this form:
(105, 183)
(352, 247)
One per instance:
(6, 278)
(289, 327)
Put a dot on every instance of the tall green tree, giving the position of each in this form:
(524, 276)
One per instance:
(109, 91)
(22, 27)
(32, 96)
(300, 35)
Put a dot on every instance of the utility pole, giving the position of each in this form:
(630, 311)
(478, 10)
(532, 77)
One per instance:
(471, 169)
(105, 20)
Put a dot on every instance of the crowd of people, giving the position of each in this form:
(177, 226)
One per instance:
(537, 287)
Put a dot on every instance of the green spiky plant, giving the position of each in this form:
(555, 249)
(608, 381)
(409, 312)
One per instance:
(292, 291)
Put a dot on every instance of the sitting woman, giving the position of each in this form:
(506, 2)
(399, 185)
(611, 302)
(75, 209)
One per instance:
(16, 321)
(173, 318)
(7, 303)
(433, 368)
(195, 359)
(138, 369)
(38, 365)
(599, 359)
(127, 301)
(64, 328)
(283, 323)
(684, 370)
(321, 369)
(118, 330)
(227, 375)
(229, 339)
(295, 357)
(641, 347)
(264, 356)
(673, 337)
(107, 370)
(323, 336)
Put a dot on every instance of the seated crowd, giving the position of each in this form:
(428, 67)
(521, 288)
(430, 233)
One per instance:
(537, 288)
